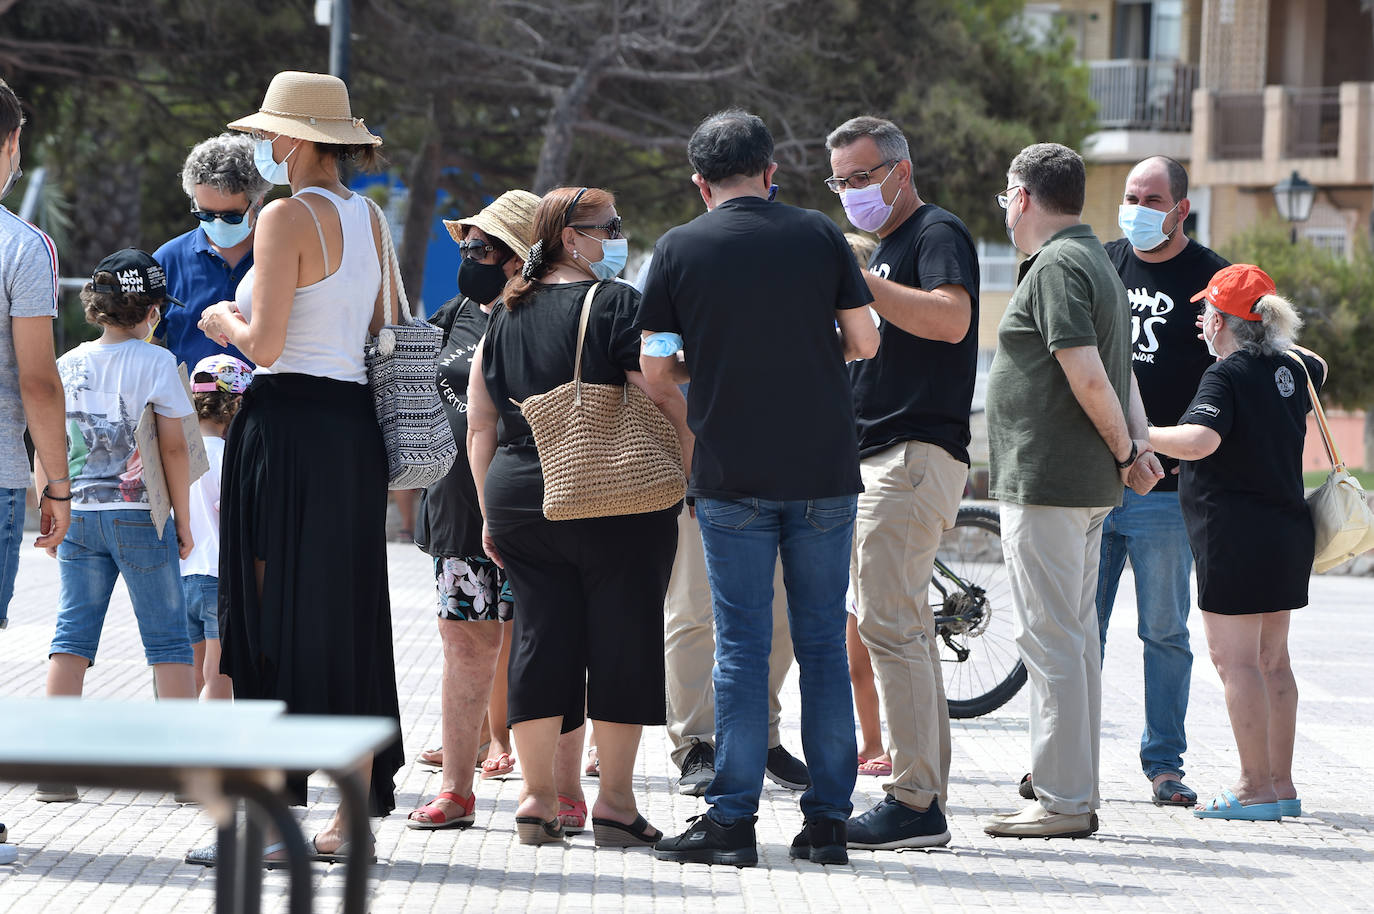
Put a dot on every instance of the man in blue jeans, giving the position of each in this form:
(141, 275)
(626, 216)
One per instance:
(1161, 267)
(751, 293)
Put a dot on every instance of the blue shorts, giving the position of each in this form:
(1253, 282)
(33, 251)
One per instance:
(11, 533)
(201, 592)
(100, 547)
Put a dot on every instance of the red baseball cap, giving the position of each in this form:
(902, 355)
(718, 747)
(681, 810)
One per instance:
(1236, 289)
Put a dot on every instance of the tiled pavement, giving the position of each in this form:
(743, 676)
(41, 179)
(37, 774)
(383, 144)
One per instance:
(121, 851)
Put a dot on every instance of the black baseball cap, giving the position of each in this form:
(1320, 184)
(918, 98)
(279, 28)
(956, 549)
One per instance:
(136, 271)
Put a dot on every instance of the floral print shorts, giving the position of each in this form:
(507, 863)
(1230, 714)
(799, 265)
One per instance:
(472, 590)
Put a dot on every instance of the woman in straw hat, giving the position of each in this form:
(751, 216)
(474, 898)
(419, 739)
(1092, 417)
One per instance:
(474, 596)
(589, 593)
(1241, 492)
(304, 609)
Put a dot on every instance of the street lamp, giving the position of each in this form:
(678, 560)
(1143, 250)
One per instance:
(1294, 198)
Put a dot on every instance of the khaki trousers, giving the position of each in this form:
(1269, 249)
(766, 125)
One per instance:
(1052, 556)
(911, 496)
(689, 647)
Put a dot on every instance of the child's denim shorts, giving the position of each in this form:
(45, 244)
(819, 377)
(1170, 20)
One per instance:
(202, 606)
(100, 547)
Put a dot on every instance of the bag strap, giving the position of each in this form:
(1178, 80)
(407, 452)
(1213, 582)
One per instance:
(581, 336)
(1331, 453)
(400, 306)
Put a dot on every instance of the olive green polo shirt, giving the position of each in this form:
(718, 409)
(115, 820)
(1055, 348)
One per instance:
(1044, 448)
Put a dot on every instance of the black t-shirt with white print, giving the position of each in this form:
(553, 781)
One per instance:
(1166, 355)
(916, 389)
(448, 521)
(1243, 505)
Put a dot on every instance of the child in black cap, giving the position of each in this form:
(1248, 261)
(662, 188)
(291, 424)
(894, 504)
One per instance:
(108, 383)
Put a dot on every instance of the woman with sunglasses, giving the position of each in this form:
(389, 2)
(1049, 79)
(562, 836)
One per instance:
(588, 631)
(204, 265)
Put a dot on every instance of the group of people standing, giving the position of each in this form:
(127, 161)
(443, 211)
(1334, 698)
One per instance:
(824, 429)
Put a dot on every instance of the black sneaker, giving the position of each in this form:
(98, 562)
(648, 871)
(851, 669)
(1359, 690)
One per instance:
(821, 841)
(698, 769)
(706, 841)
(891, 825)
(786, 769)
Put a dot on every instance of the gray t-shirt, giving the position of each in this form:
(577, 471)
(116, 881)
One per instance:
(1044, 448)
(28, 288)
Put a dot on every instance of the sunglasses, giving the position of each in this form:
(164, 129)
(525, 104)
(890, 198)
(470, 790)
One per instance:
(229, 218)
(612, 228)
(476, 250)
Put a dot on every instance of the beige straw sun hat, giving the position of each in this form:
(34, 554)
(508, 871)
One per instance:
(308, 106)
(509, 217)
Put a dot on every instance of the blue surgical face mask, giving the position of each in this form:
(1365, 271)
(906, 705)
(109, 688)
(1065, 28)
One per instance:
(1144, 227)
(224, 235)
(272, 171)
(614, 253)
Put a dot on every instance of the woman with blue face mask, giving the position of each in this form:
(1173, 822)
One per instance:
(205, 265)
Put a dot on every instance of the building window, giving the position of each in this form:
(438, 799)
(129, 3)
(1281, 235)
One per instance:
(996, 266)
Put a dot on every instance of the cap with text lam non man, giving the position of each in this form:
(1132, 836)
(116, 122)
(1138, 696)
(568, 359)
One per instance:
(1236, 289)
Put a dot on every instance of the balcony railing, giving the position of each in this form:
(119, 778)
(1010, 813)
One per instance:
(1314, 123)
(1239, 126)
(1143, 94)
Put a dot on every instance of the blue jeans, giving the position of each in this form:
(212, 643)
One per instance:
(11, 534)
(742, 540)
(102, 546)
(1148, 529)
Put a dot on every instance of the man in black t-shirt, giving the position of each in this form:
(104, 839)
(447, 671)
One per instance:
(1161, 267)
(912, 406)
(752, 292)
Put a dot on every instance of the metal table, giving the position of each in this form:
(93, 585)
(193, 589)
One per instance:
(218, 752)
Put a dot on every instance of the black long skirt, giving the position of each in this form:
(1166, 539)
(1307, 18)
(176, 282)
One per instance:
(304, 490)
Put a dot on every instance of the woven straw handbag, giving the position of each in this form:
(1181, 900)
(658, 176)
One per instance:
(1340, 510)
(401, 370)
(605, 449)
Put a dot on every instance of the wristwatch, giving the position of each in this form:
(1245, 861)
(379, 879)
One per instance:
(1130, 459)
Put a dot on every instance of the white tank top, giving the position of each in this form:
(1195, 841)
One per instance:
(327, 328)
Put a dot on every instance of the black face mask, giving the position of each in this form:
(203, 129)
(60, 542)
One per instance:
(481, 282)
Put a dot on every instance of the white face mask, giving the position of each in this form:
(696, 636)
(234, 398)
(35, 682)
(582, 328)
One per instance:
(1210, 340)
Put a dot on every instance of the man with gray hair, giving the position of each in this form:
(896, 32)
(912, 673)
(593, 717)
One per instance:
(1066, 430)
(912, 404)
(204, 265)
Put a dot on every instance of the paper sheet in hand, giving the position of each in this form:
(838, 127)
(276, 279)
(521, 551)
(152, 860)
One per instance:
(154, 478)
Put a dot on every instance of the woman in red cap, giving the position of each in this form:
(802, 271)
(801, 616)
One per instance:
(1241, 491)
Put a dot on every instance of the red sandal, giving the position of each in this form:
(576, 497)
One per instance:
(572, 814)
(436, 817)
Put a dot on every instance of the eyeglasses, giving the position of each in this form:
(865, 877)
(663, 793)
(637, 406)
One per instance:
(476, 250)
(260, 135)
(1004, 198)
(612, 228)
(229, 218)
(858, 180)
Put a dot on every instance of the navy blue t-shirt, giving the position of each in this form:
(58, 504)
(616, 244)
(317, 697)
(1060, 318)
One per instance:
(197, 277)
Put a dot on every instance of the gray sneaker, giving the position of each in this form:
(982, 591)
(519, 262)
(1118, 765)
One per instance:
(698, 769)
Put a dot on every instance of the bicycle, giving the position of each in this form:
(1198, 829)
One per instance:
(970, 595)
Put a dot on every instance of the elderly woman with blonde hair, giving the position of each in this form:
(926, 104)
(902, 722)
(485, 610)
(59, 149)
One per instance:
(1252, 538)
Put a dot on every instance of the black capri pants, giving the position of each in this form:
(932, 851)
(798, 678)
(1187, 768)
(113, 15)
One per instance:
(588, 629)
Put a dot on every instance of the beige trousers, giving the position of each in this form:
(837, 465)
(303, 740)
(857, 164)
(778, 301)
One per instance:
(689, 647)
(911, 496)
(1052, 556)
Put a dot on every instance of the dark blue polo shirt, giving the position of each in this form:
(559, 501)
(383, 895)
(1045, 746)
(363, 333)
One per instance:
(197, 277)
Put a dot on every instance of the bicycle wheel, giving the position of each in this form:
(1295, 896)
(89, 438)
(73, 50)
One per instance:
(970, 595)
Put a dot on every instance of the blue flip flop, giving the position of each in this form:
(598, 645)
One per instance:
(1291, 808)
(1225, 806)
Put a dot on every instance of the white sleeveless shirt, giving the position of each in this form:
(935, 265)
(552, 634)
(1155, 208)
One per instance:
(327, 328)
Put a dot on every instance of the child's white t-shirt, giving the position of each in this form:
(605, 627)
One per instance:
(204, 557)
(107, 387)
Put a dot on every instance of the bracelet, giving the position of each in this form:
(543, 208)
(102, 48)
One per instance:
(1130, 459)
(51, 497)
(60, 479)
